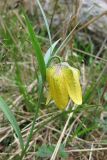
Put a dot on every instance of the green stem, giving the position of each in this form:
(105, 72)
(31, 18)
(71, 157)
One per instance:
(55, 57)
(33, 124)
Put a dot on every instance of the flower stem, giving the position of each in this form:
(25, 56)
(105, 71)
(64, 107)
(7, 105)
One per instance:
(33, 124)
(55, 57)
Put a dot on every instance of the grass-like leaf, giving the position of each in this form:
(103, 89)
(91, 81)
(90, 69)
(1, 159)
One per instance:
(49, 52)
(45, 20)
(36, 46)
(9, 115)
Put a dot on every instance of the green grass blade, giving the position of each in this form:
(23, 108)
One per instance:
(49, 52)
(45, 19)
(9, 115)
(36, 46)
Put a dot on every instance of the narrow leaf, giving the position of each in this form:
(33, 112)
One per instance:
(45, 19)
(49, 52)
(36, 46)
(9, 115)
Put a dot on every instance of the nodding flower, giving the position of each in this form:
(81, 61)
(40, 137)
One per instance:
(63, 81)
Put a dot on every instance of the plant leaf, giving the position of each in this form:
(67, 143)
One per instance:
(45, 151)
(45, 20)
(9, 115)
(49, 52)
(36, 46)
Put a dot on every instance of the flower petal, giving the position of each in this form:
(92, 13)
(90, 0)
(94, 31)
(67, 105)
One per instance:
(49, 73)
(60, 92)
(71, 76)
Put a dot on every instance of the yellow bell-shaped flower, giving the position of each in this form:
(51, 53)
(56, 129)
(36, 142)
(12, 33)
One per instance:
(63, 83)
